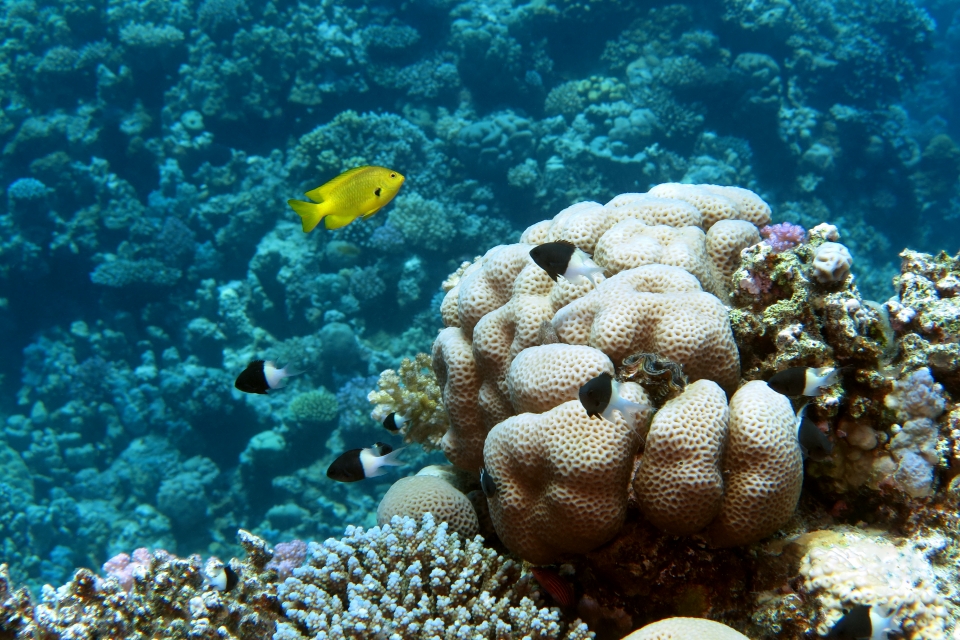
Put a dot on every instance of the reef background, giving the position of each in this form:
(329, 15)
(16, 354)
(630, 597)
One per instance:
(146, 253)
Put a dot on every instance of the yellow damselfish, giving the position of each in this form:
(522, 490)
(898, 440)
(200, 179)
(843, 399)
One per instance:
(356, 193)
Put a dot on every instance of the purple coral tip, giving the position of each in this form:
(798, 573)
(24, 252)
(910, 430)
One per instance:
(783, 236)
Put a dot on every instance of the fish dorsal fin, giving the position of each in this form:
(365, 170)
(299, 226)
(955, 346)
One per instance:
(317, 194)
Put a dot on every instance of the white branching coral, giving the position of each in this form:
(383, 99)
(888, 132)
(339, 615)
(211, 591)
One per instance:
(405, 581)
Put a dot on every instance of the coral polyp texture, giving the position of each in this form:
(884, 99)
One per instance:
(560, 466)
(686, 629)
(417, 495)
(737, 469)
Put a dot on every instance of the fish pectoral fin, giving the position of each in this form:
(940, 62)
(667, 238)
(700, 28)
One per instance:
(370, 213)
(337, 221)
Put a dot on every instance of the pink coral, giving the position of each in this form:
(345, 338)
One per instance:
(783, 236)
(287, 556)
(122, 567)
(756, 284)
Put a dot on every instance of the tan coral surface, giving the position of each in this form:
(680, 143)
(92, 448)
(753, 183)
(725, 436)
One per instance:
(656, 309)
(540, 378)
(686, 629)
(420, 494)
(679, 484)
(561, 479)
(763, 467)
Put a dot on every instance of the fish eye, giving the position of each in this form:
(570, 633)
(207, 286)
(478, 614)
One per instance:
(393, 175)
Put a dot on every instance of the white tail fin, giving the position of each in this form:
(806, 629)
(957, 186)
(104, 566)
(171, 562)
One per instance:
(379, 464)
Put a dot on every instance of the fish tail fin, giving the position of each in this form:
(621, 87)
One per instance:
(288, 371)
(310, 214)
(833, 377)
(392, 459)
(629, 410)
(593, 271)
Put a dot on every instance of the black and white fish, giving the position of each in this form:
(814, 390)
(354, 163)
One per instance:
(357, 464)
(863, 622)
(394, 422)
(219, 575)
(601, 397)
(262, 375)
(804, 381)
(381, 449)
(812, 440)
(565, 259)
(487, 483)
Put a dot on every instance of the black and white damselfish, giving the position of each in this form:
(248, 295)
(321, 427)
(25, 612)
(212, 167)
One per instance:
(813, 442)
(394, 422)
(487, 483)
(357, 464)
(565, 259)
(262, 375)
(601, 397)
(804, 381)
(863, 622)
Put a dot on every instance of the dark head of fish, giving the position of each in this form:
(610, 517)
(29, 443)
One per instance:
(252, 379)
(553, 257)
(347, 467)
(390, 423)
(382, 449)
(814, 442)
(789, 382)
(487, 483)
(856, 624)
(595, 395)
(232, 578)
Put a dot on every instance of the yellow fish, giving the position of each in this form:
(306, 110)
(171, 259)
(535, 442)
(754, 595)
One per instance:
(356, 193)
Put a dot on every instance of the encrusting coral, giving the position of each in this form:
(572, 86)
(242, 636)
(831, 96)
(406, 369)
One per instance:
(847, 567)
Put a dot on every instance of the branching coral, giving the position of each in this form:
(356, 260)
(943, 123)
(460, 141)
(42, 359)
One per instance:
(413, 393)
(409, 580)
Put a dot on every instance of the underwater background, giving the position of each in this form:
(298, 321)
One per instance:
(147, 253)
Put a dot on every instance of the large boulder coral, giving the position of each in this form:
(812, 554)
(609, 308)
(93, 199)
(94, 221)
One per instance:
(503, 303)
(736, 469)
(561, 479)
(517, 342)
(655, 309)
(763, 468)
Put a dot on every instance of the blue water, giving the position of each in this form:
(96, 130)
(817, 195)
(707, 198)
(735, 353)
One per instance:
(147, 254)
